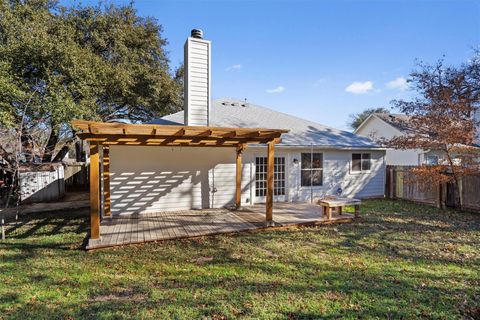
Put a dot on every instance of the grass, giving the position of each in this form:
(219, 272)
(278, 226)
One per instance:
(400, 260)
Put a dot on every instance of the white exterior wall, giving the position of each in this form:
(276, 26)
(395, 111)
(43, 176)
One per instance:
(166, 178)
(376, 128)
(337, 174)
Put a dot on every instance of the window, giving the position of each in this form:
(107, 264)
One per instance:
(431, 160)
(312, 169)
(361, 162)
(261, 176)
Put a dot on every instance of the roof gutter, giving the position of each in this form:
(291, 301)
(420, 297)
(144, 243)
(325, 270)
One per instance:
(332, 147)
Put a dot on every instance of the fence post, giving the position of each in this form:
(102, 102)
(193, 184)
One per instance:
(439, 196)
(392, 183)
(3, 229)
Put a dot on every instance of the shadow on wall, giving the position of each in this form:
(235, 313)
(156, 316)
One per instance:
(166, 179)
(135, 192)
(37, 185)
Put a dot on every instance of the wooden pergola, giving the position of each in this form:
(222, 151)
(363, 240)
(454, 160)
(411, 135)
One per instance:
(103, 135)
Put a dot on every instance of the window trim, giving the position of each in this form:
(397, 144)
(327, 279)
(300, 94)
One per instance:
(425, 162)
(361, 171)
(311, 169)
(285, 173)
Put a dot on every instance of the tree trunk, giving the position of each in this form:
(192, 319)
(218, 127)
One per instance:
(62, 153)
(457, 180)
(27, 146)
(50, 147)
(12, 187)
(460, 192)
(79, 152)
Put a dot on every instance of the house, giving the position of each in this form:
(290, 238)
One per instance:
(311, 160)
(219, 154)
(387, 126)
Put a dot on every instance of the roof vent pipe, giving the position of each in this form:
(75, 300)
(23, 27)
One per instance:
(197, 33)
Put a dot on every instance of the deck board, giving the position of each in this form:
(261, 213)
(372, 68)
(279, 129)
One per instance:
(157, 226)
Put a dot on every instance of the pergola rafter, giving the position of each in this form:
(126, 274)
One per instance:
(103, 135)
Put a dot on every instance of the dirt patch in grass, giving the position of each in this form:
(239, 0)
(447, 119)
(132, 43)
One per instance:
(131, 295)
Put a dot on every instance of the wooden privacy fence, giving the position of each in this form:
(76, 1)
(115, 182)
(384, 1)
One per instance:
(76, 176)
(401, 184)
(41, 183)
(45, 182)
(471, 192)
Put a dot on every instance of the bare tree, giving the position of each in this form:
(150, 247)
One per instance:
(11, 151)
(442, 119)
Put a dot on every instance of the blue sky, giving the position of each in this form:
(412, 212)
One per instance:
(321, 60)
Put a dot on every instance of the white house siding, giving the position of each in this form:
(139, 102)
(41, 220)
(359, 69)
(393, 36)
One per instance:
(147, 179)
(337, 174)
(166, 178)
(197, 82)
(376, 128)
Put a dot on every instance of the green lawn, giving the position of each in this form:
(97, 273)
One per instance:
(400, 260)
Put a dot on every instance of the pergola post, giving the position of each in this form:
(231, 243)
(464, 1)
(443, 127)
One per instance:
(270, 163)
(238, 181)
(106, 181)
(94, 191)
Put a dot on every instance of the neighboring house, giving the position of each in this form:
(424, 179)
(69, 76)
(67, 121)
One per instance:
(311, 161)
(388, 126)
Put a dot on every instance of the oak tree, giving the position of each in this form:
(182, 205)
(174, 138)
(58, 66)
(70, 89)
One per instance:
(80, 62)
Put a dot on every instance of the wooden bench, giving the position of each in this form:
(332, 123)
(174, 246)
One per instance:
(328, 203)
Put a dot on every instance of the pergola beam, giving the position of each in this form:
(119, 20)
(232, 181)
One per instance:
(99, 128)
(107, 134)
(270, 167)
(106, 139)
(238, 176)
(106, 181)
(94, 191)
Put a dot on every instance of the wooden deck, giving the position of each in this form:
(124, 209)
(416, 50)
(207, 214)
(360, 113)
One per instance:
(158, 226)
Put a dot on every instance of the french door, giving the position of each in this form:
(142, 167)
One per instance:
(279, 181)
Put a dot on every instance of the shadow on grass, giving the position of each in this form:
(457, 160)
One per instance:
(343, 293)
(48, 224)
(252, 272)
(36, 233)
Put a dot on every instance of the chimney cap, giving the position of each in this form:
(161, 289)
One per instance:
(197, 33)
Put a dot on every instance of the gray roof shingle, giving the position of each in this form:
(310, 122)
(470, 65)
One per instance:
(235, 113)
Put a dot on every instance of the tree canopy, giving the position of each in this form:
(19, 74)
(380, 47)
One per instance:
(442, 118)
(80, 62)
